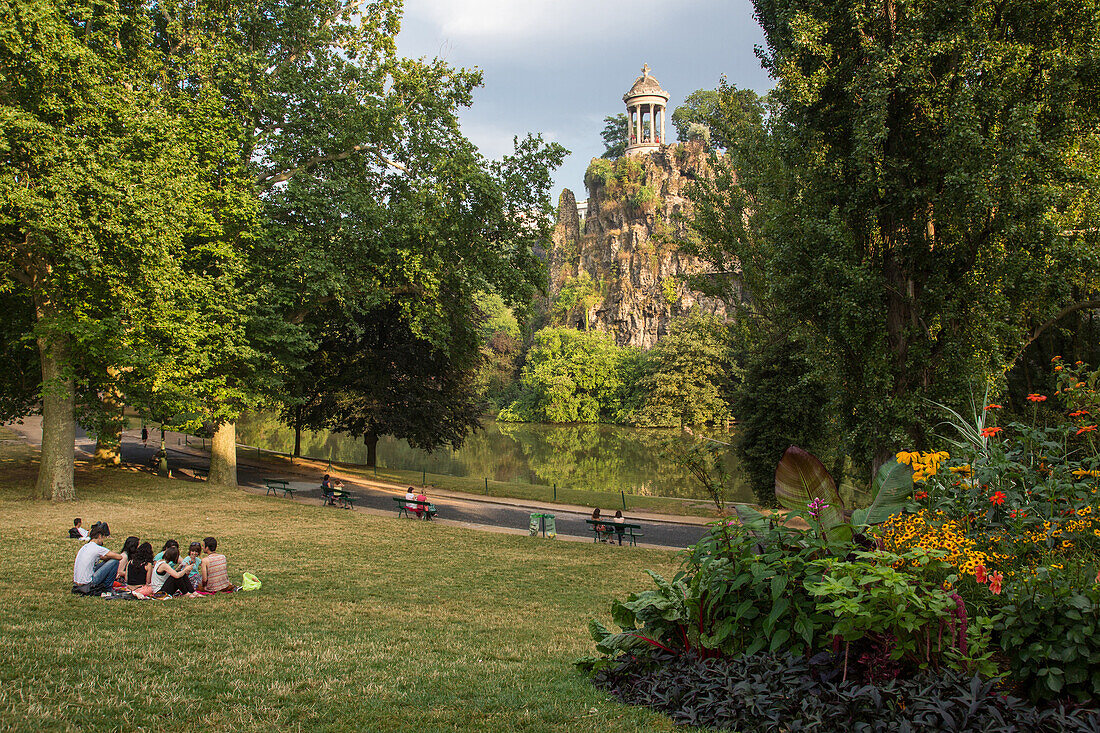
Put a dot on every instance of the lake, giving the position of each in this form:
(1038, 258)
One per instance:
(608, 458)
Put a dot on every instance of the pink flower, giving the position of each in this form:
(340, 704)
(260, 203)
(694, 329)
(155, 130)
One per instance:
(979, 574)
(995, 583)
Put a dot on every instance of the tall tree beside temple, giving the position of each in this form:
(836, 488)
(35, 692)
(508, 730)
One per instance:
(906, 207)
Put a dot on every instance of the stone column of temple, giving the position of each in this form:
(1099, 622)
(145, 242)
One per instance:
(638, 123)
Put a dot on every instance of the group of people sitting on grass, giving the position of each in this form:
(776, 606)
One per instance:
(605, 531)
(136, 572)
(425, 510)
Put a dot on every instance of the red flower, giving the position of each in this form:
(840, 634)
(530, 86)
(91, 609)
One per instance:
(1037, 397)
(1056, 358)
(1015, 513)
(920, 495)
(995, 581)
(979, 574)
(998, 498)
(993, 407)
(990, 432)
(1087, 429)
(1079, 413)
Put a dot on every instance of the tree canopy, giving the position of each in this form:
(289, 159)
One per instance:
(906, 206)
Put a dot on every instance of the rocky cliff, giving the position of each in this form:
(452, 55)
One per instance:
(625, 250)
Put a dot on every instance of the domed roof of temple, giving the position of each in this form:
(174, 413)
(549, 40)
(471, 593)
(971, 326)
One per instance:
(645, 84)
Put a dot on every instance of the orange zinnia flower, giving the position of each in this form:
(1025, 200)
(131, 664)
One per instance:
(1056, 358)
(993, 407)
(998, 498)
(920, 495)
(1036, 397)
(1087, 429)
(995, 581)
(990, 432)
(1079, 413)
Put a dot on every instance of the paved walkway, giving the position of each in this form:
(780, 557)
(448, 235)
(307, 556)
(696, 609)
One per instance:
(497, 514)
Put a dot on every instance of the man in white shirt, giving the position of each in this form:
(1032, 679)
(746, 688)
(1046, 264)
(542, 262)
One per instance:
(87, 578)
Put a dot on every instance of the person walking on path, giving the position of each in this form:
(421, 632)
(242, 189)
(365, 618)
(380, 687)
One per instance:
(144, 435)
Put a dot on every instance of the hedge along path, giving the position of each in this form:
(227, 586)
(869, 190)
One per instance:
(363, 622)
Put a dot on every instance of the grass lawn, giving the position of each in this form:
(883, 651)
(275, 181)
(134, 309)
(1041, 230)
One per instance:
(363, 622)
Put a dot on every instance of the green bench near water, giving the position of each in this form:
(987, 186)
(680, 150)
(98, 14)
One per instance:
(402, 507)
(617, 529)
(275, 485)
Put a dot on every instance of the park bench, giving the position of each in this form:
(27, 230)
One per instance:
(275, 485)
(331, 496)
(403, 509)
(625, 529)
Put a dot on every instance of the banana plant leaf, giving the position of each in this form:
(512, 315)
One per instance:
(800, 478)
(892, 485)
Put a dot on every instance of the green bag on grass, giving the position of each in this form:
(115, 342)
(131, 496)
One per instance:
(250, 582)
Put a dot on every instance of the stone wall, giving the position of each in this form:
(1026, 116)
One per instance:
(628, 244)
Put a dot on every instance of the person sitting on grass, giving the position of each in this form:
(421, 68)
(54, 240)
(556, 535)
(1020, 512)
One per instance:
(167, 543)
(77, 532)
(171, 580)
(215, 576)
(139, 571)
(129, 547)
(193, 553)
(87, 578)
(425, 510)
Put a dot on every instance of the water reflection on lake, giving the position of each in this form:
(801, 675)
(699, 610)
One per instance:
(600, 457)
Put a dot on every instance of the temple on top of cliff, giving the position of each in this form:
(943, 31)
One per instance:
(645, 113)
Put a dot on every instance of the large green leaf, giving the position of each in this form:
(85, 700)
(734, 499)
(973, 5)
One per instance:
(800, 478)
(892, 485)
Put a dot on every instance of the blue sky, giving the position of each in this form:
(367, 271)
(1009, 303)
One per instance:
(560, 67)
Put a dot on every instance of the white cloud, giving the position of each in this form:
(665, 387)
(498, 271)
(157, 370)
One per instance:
(509, 23)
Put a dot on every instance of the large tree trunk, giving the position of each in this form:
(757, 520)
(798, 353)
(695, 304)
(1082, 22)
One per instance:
(55, 472)
(108, 441)
(298, 431)
(371, 439)
(223, 455)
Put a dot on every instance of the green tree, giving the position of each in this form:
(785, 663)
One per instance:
(369, 190)
(901, 214)
(691, 374)
(728, 114)
(374, 375)
(578, 293)
(97, 173)
(570, 376)
(614, 135)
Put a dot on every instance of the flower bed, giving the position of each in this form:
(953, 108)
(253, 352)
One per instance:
(972, 568)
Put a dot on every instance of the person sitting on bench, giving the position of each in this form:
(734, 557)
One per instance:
(619, 520)
(425, 510)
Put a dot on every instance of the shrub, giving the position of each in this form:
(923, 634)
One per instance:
(599, 172)
(784, 692)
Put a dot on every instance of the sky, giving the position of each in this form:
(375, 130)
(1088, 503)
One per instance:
(558, 68)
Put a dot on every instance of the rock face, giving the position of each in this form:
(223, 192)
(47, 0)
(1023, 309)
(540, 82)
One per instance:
(627, 245)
